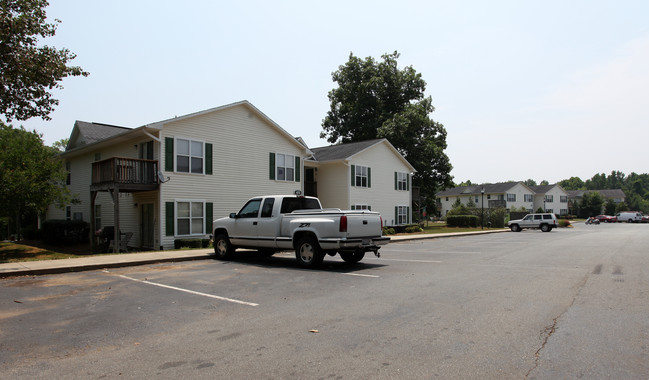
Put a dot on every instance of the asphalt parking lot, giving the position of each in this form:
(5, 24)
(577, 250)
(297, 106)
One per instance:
(566, 304)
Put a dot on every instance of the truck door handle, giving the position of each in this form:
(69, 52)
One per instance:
(254, 223)
(365, 222)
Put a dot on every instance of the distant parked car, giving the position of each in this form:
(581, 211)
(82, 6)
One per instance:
(606, 218)
(645, 218)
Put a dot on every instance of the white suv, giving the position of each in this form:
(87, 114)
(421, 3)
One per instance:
(546, 222)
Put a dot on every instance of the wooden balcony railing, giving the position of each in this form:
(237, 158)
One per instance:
(127, 173)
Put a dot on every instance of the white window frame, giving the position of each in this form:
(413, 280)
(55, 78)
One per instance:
(549, 198)
(563, 199)
(528, 197)
(361, 207)
(360, 174)
(511, 197)
(286, 168)
(190, 155)
(402, 215)
(190, 218)
(402, 181)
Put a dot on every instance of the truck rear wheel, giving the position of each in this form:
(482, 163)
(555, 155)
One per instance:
(546, 228)
(308, 252)
(352, 257)
(223, 249)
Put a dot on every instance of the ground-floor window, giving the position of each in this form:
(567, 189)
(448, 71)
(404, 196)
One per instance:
(402, 214)
(190, 217)
(361, 207)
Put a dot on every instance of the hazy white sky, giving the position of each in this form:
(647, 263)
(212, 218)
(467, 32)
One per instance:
(525, 89)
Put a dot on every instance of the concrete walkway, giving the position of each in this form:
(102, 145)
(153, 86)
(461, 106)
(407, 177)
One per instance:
(31, 268)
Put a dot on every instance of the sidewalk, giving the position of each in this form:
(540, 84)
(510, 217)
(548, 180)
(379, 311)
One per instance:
(32, 268)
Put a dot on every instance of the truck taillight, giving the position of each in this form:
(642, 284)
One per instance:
(343, 223)
(381, 218)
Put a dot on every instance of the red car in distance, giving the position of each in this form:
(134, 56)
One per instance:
(606, 218)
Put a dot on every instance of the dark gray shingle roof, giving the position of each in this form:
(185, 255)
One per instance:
(90, 133)
(489, 188)
(342, 151)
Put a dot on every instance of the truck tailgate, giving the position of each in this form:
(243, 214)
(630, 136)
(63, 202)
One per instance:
(363, 224)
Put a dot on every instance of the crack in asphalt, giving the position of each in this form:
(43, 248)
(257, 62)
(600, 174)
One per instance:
(548, 331)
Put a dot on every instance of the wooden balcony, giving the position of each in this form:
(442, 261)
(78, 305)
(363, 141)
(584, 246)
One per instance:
(125, 174)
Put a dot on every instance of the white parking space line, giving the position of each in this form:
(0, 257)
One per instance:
(191, 291)
(411, 261)
(361, 275)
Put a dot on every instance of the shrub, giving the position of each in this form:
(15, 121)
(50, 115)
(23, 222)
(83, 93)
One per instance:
(57, 231)
(388, 231)
(191, 243)
(564, 223)
(414, 228)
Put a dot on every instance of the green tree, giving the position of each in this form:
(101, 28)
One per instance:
(609, 207)
(28, 72)
(544, 182)
(31, 175)
(591, 204)
(61, 145)
(574, 183)
(379, 100)
(530, 182)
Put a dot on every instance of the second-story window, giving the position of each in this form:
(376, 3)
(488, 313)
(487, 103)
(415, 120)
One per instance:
(401, 180)
(361, 176)
(511, 197)
(189, 156)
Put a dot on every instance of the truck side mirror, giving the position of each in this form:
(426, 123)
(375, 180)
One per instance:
(233, 215)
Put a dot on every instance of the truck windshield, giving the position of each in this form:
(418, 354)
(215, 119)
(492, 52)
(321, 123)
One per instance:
(292, 204)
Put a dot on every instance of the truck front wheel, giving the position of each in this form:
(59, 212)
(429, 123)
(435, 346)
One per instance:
(223, 249)
(352, 257)
(308, 252)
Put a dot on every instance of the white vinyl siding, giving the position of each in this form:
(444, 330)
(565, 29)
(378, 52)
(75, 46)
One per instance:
(242, 141)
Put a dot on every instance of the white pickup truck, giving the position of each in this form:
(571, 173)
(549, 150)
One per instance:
(291, 222)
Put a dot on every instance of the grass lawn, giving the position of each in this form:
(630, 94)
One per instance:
(11, 252)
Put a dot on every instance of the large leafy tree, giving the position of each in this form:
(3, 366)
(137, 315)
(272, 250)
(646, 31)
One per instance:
(376, 99)
(28, 72)
(31, 175)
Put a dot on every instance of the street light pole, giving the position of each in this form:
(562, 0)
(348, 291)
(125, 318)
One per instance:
(482, 212)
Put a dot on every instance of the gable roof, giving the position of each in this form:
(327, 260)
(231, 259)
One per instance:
(85, 133)
(344, 152)
(244, 103)
(86, 136)
(489, 188)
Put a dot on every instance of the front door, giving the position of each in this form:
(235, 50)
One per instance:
(146, 225)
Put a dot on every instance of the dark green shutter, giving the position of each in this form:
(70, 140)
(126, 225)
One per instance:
(369, 208)
(408, 214)
(209, 217)
(408, 182)
(271, 166)
(169, 154)
(297, 169)
(353, 170)
(353, 207)
(396, 181)
(169, 219)
(396, 215)
(208, 158)
(369, 177)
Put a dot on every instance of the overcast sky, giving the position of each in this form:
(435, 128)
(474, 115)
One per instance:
(525, 89)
